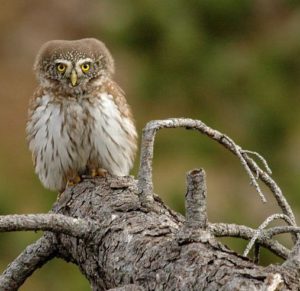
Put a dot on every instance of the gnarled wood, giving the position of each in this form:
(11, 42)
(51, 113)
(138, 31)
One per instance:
(149, 246)
(123, 237)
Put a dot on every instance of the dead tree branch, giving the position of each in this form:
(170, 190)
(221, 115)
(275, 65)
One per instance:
(195, 198)
(52, 222)
(262, 226)
(123, 237)
(145, 170)
(149, 132)
(247, 233)
(32, 258)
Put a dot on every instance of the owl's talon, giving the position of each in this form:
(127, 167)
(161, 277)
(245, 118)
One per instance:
(98, 172)
(73, 181)
(94, 173)
(102, 172)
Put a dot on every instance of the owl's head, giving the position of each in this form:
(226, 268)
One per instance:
(73, 65)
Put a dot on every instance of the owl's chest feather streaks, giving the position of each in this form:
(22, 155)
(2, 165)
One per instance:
(74, 122)
(67, 135)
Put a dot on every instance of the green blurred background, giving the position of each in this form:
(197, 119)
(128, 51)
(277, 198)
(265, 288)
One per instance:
(233, 64)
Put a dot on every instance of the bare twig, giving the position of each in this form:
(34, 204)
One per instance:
(32, 258)
(262, 226)
(145, 183)
(244, 232)
(59, 223)
(261, 158)
(145, 172)
(237, 150)
(270, 232)
(276, 191)
(195, 208)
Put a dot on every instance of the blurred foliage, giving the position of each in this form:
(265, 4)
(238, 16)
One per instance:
(233, 64)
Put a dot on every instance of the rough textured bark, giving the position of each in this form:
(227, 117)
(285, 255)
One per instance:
(123, 237)
(33, 257)
(151, 246)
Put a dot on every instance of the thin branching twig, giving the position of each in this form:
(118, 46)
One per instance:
(58, 223)
(145, 183)
(261, 158)
(254, 172)
(33, 257)
(263, 226)
(246, 233)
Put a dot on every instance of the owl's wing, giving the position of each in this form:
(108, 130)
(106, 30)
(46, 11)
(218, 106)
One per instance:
(33, 104)
(33, 101)
(118, 94)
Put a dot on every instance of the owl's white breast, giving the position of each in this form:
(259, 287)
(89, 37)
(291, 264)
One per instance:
(56, 139)
(65, 136)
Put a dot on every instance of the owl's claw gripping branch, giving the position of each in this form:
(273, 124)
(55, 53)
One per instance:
(98, 172)
(73, 181)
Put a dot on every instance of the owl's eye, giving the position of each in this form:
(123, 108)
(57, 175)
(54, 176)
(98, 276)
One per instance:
(61, 67)
(85, 67)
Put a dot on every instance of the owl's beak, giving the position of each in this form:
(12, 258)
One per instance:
(73, 78)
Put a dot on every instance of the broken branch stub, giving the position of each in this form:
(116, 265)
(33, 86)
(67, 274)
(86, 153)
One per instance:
(195, 200)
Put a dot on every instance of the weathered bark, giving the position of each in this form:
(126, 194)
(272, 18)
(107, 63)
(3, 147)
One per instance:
(33, 257)
(123, 237)
(150, 246)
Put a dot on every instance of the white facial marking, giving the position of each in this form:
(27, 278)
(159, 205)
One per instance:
(79, 63)
(65, 62)
(82, 61)
(62, 61)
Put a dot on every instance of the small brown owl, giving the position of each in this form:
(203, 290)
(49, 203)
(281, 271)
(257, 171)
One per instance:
(79, 121)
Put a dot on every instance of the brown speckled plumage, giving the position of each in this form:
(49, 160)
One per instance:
(79, 120)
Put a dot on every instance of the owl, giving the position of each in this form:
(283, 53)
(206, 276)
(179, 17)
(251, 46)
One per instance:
(79, 121)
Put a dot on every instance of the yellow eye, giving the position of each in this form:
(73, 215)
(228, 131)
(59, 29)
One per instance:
(61, 67)
(85, 67)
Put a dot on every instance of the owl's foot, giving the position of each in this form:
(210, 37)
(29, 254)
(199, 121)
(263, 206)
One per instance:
(99, 172)
(73, 181)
